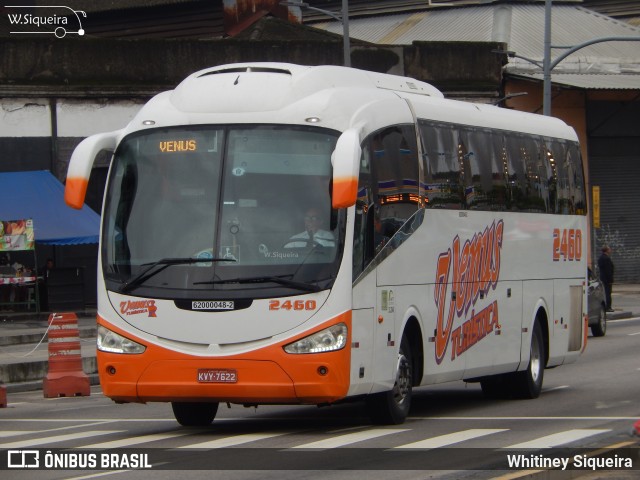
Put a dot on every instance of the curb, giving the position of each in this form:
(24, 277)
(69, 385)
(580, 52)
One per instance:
(619, 315)
(21, 387)
(30, 372)
(21, 338)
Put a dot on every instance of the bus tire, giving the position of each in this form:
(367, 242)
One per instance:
(392, 407)
(528, 383)
(194, 414)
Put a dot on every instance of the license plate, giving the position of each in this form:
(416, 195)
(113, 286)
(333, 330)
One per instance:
(217, 375)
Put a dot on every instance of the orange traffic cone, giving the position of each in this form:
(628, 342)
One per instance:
(65, 377)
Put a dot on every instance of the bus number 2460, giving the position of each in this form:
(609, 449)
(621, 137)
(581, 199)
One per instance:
(295, 305)
(567, 244)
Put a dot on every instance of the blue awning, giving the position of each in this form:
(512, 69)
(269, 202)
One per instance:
(40, 196)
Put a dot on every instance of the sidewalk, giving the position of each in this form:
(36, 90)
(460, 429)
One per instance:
(24, 349)
(626, 301)
(24, 353)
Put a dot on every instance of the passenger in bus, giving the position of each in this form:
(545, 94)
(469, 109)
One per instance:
(313, 234)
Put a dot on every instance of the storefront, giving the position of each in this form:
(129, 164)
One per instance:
(33, 215)
(19, 287)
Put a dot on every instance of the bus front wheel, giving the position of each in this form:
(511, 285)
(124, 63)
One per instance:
(392, 407)
(194, 414)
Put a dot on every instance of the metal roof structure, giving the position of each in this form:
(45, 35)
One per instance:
(591, 81)
(609, 65)
(627, 10)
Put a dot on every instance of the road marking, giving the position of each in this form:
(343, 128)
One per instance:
(58, 438)
(235, 440)
(623, 320)
(127, 442)
(96, 475)
(97, 420)
(14, 433)
(350, 438)
(49, 430)
(560, 387)
(634, 334)
(556, 439)
(451, 438)
(535, 419)
(100, 421)
(602, 405)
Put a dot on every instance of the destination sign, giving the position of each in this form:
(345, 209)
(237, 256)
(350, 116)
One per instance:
(168, 146)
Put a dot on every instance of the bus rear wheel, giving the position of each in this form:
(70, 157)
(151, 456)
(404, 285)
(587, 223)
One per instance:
(194, 414)
(528, 383)
(392, 407)
(525, 384)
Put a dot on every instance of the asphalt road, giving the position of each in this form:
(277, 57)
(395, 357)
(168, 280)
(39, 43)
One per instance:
(452, 432)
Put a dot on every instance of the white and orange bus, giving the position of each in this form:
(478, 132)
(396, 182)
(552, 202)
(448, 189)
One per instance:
(285, 234)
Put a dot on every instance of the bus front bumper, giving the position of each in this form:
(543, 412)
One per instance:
(264, 376)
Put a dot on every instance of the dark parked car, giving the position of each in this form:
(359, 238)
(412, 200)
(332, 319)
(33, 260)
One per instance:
(597, 306)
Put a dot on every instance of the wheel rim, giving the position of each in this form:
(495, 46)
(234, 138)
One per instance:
(402, 385)
(536, 361)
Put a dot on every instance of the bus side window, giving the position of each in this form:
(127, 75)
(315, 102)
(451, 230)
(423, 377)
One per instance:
(443, 188)
(388, 190)
(365, 199)
(570, 184)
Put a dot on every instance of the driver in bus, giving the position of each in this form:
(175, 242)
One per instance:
(313, 234)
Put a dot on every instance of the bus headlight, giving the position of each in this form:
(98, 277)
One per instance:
(327, 340)
(109, 341)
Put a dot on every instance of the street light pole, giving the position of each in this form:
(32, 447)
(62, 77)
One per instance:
(343, 19)
(346, 44)
(546, 63)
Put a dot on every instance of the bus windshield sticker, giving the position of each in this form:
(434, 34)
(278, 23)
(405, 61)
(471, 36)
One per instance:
(390, 302)
(230, 253)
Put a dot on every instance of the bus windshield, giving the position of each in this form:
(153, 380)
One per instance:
(252, 203)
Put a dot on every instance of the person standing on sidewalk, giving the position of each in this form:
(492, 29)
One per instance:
(605, 265)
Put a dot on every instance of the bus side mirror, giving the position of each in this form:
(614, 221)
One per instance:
(80, 166)
(346, 165)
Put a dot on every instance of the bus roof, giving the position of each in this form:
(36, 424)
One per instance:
(340, 97)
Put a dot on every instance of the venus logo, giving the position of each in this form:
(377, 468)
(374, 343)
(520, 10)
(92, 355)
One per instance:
(476, 268)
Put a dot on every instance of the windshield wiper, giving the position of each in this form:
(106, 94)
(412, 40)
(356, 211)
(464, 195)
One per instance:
(307, 287)
(164, 263)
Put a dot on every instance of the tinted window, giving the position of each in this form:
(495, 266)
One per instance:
(388, 191)
(481, 169)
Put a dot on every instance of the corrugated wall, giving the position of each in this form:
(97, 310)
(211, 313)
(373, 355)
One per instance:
(614, 165)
